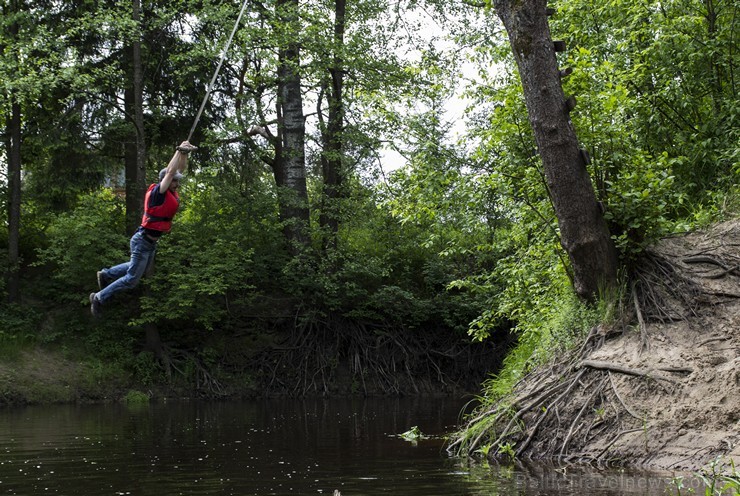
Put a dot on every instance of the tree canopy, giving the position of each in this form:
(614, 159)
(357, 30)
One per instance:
(369, 192)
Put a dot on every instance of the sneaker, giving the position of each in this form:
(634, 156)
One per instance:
(103, 280)
(187, 148)
(95, 305)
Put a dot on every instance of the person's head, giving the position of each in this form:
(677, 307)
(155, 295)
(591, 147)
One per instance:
(175, 179)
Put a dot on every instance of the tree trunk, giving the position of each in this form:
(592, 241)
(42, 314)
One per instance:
(135, 153)
(583, 231)
(12, 277)
(14, 200)
(136, 163)
(290, 156)
(331, 156)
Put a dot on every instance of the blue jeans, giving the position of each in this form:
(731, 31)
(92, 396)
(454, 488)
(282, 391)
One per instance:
(127, 275)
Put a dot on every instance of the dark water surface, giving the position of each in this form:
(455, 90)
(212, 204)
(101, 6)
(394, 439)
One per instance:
(275, 447)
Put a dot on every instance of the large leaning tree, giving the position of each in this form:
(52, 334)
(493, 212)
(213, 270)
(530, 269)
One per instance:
(583, 231)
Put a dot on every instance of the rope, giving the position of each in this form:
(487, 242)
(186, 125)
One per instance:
(218, 69)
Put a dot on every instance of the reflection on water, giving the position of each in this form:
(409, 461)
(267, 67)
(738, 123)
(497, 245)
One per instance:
(275, 447)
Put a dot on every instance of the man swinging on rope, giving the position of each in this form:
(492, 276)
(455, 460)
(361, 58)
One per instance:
(160, 205)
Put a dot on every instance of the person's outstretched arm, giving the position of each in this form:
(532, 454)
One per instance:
(178, 163)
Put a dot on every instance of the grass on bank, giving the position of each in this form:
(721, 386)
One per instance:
(551, 330)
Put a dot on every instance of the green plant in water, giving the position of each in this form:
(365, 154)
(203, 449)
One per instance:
(678, 482)
(414, 434)
(484, 450)
(507, 450)
(720, 478)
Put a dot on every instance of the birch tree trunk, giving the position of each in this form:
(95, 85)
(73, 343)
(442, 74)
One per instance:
(14, 201)
(290, 158)
(14, 180)
(583, 231)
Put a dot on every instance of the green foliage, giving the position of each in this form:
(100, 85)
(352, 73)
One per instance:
(720, 477)
(81, 241)
(655, 99)
(633, 116)
(389, 272)
(134, 397)
(560, 322)
(101, 376)
(18, 327)
(207, 257)
(147, 369)
(484, 450)
(641, 200)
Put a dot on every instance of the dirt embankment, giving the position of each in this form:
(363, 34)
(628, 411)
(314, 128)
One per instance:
(690, 343)
(659, 391)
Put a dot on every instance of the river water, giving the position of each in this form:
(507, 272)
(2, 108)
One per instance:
(269, 447)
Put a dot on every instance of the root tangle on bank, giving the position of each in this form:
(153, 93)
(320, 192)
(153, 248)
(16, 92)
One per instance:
(651, 386)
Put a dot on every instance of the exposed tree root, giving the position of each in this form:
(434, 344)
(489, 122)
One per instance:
(583, 390)
(662, 291)
(595, 364)
(192, 368)
(614, 440)
(672, 288)
(712, 340)
(576, 387)
(552, 406)
(576, 424)
(722, 264)
(621, 401)
(643, 328)
(319, 353)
